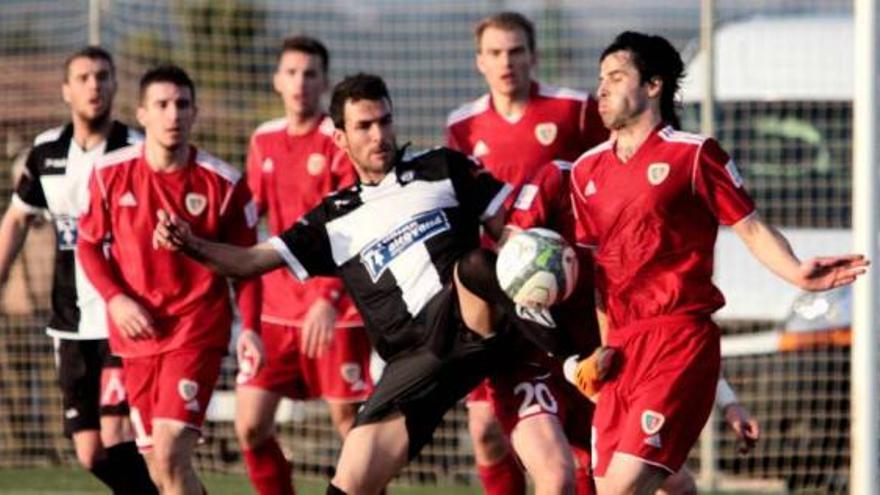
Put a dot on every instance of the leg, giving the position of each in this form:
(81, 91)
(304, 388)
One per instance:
(171, 459)
(342, 415)
(371, 455)
(267, 467)
(498, 469)
(629, 475)
(680, 483)
(542, 446)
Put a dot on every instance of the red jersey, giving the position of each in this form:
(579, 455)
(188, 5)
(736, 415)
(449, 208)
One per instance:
(188, 302)
(653, 220)
(544, 201)
(288, 176)
(558, 123)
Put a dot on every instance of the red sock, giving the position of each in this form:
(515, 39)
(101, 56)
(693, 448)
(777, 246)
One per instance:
(583, 482)
(268, 470)
(505, 477)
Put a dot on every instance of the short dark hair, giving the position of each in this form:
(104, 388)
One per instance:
(91, 52)
(506, 21)
(167, 73)
(653, 56)
(354, 88)
(308, 45)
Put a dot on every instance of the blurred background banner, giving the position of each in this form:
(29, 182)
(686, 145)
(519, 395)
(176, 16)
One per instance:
(783, 91)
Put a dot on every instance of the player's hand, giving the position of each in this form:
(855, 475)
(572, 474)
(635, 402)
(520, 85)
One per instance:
(250, 353)
(829, 272)
(589, 374)
(171, 232)
(744, 425)
(318, 326)
(131, 318)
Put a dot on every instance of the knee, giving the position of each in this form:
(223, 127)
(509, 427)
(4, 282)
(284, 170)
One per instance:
(554, 479)
(88, 458)
(680, 483)
(483, 427)
(251, 434)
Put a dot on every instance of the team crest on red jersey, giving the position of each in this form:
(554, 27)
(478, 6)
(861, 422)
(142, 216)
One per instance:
(546, 133)
(657, 172)
(652, 421)
(187, 389)
(315, 163)
(195, 203)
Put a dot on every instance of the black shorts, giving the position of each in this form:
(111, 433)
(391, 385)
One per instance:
(425, 382)
(91, 383)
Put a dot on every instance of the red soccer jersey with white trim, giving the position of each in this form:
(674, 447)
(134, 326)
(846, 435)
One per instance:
(289, 175)
(544, 201)
(188, 302)
(558, 123)
(653, 222)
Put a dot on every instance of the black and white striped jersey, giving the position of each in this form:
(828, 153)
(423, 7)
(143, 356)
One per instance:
(56, 180)
(395, 243)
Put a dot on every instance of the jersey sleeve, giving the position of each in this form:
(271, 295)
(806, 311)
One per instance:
(451, 140)
(94, 227)
(477, 190)
(592, 129)
(305, 247)
(254, 173)
(238, 226)
(29, 193)
(718, 183)
(538, 199)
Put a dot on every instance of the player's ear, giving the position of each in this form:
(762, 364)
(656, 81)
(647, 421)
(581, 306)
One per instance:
(655, 87)
(65, 92)
(340, 139)
(276, 81)
(141, 115)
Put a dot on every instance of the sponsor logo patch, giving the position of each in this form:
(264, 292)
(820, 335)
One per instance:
(480, 149)
(377, 256)
(654, 441)
(407, 176)
(316, 163)
(657, 172)
(652, 421)
(128, 199)
(66, 233)
(546, 133)
(195, 203)
(590, 189)
(733, 172)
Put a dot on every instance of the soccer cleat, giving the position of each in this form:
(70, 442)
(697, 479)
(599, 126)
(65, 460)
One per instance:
(590, 373)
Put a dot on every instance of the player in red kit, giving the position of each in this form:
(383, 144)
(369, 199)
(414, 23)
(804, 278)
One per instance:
(170, 317)
(516, 128)
(649, 203)
(314, 338)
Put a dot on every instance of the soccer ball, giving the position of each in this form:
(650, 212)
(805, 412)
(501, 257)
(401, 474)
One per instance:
(537, 268)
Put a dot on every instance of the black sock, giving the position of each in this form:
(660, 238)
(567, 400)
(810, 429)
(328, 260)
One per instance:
(130, 470)
(333, 490)
(476, 271)
(103, 470)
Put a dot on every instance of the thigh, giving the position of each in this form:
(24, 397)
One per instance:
(255, 406)
(372, 454)
(79, 375)
(541, 444)
(627, 474)
(140, 375)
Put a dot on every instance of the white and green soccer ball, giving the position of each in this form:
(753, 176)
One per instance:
(537, 268)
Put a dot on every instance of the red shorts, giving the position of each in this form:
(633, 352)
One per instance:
(174, 386)
(340, 374)
(656, 407)
(532, 390)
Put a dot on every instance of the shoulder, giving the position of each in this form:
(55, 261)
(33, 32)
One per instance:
(468, 111)
(561, 94)
(591, 155)
(49, 135)
(118, 157)
(218, 167)
(326, 127)
(271, 126)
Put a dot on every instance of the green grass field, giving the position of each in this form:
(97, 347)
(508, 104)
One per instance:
(52, 481)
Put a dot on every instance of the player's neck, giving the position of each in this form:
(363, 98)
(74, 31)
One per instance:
(162, 159)
(302, 123)
(88, 134)
(631, 136)
(511, 106)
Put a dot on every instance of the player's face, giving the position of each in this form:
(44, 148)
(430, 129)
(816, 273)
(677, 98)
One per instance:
(505, 61)
(368, 137)
(300, 80)
(167, 113)
(622, 97)
(89, 89)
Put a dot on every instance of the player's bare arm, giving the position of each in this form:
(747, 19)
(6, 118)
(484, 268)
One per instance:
(772, 249)
(225, 259)
(13, 231)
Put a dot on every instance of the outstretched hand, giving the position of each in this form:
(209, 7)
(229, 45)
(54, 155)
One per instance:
(744, 425)
(829, 272)
(171, 232)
